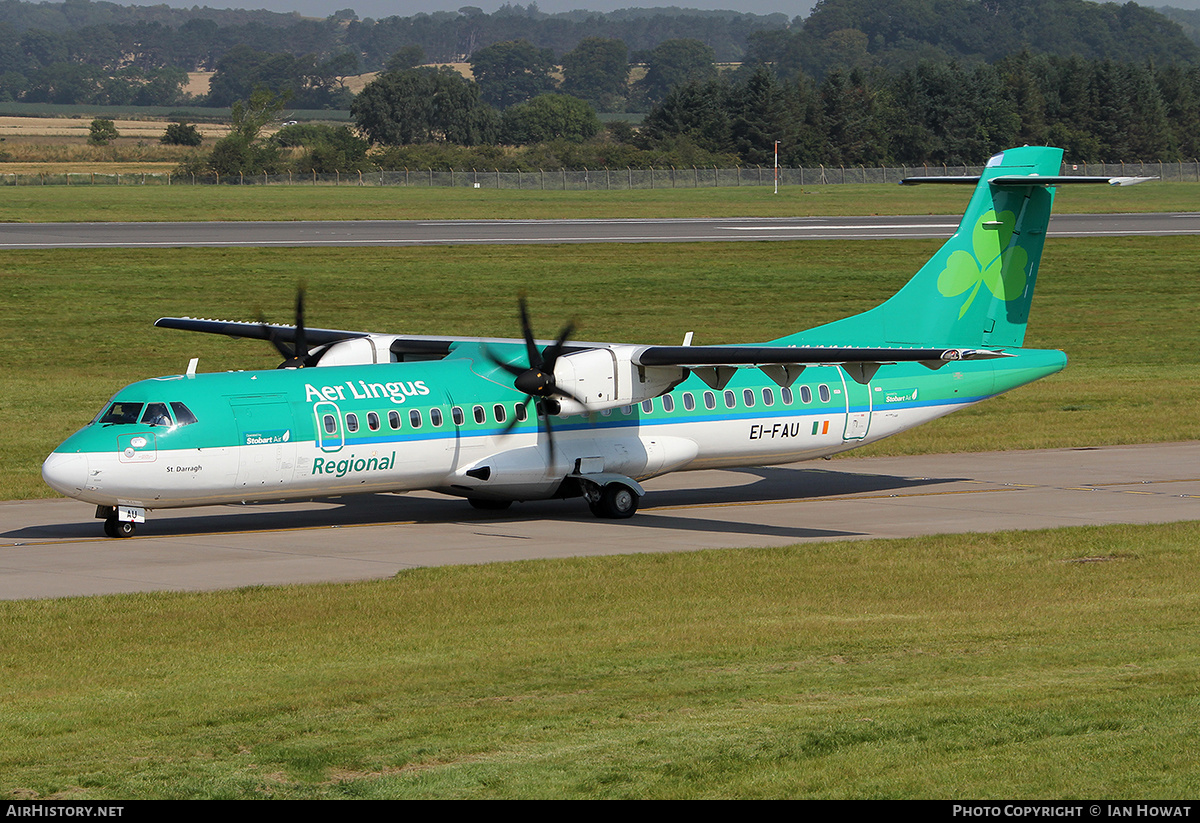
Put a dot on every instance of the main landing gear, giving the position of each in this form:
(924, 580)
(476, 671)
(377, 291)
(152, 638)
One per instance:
(616, 501)
(611, 496)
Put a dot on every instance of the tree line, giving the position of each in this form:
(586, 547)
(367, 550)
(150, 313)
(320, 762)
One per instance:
(940, 112)
(79, 51)
(932, 113)
(62, 52)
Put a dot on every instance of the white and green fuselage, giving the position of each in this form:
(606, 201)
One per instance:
(277, 435)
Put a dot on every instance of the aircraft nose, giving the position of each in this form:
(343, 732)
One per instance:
(65, 472)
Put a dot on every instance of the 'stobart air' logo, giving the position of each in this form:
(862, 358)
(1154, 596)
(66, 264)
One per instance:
(994, 264)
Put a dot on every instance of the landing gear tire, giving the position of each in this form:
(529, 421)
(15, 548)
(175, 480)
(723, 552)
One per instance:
(488, 505)
(118, 528)
(617, 502)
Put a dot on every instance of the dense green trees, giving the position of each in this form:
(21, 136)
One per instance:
(181, 134)
(940, 112)
(597, 70)
(327, 149)
(896, 34)
(512, 72)
(242, 151)
(311, 83)
(102, 132)
(424, 105)
(549, 117)
(674, 63)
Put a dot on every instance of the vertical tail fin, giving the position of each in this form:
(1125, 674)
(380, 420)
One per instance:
(976, 290)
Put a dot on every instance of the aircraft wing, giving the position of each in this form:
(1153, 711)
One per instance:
(404, 347)
(749, 356)
(257, 331)
(716, 365)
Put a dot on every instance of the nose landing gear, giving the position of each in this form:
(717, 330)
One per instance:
(120, 521)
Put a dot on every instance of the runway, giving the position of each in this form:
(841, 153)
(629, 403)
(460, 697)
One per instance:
(54, 548)
(447, 232)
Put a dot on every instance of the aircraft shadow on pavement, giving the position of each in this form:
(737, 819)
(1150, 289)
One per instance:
(772, 485)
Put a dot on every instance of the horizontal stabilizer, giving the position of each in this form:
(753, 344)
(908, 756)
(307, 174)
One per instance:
(1028, 180)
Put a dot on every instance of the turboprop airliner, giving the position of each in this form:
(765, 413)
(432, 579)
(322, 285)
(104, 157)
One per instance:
(502, 420)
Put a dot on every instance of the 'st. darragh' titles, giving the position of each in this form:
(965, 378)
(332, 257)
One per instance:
(496, 421)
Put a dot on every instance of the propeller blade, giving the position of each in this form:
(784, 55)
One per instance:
(552, 353)
(515, 371)
(512, 424)
(301, 337)
(282, 347)
(549, 439)
(535, 357)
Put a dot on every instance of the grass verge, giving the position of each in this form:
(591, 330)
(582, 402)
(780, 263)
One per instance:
(1045, 664)
(83, 203)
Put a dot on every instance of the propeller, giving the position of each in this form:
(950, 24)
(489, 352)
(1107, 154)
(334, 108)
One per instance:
(536, 380)
(296, 355)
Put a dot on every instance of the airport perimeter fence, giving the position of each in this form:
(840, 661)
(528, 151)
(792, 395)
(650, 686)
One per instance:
(592, 179)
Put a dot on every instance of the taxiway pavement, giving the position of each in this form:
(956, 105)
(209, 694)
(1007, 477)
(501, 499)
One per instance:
(54, 548)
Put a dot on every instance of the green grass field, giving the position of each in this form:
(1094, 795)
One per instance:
(1052, 664)
(34, 204)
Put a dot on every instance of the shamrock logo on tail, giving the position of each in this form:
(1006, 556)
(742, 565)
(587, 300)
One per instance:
(993, 264)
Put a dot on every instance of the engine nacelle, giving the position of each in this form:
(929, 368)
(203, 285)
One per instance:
(606, 378)
(358, 351)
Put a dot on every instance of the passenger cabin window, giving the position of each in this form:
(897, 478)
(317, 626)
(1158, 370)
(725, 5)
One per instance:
(748, 397)
(414, 418)
(456, 414)
(768, 397)
(805, 394)
(435, 417)
(730, 400)
(351, 422)
(668, 403)
(330, 423)
(373, 421)
(647, 406)
(183, 415)
(480, 414)
(394, 419)
(156, 415)
(710, 400)
(689, 401)
(522, 413)
(785, 394)
(122, 413)
(499, 412)
(823, 393)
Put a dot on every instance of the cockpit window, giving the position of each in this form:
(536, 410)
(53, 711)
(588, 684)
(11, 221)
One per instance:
(183, 415)
(120, 412)
(156, 415)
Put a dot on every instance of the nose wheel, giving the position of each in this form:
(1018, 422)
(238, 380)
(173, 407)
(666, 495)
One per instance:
(119, 528)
